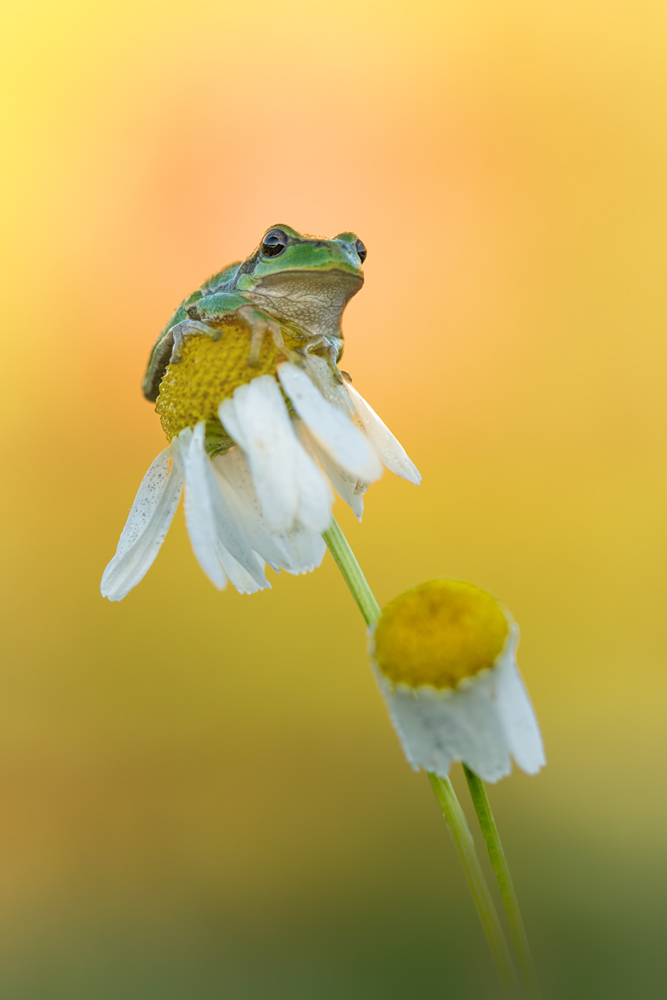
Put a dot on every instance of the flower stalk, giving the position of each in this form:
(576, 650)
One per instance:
(445, 794)
(486, 911)
(507, 893)
(346, 561)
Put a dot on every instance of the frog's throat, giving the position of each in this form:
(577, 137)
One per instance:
(314, 300)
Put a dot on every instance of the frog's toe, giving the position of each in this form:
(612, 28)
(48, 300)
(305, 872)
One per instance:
(258, 322)
(276, 334)
(251, 316)
(182, 330)
(256, 342)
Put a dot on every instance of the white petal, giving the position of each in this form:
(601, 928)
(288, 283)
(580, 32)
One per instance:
(236, 480)
(332, 389)
(315, 495)
(436, 727)
(297, 551)
(306, 550)
(146, 526)
(344, 485)
(334, 429)
(391, 453)
(199, 516)
(257, 418)
(239, 577)
(219, 520)
(517, 713)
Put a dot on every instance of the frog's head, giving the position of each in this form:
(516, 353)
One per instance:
(304, 279)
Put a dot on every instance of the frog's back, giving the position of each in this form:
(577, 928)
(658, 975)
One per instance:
(215, 282)
(224, 279)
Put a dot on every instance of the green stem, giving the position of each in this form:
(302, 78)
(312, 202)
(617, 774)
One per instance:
(499, 864)
(458, 826)
(340, 549)
(486, 911)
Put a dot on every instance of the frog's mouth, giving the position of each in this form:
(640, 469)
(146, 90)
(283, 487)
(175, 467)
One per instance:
(315, 300)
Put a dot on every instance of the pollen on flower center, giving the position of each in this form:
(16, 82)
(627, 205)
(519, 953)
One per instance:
(439, 633)
(208, 372)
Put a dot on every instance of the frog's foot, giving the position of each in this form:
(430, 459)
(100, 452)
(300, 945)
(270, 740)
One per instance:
(261, 323)
(184, 329)
(328, 347)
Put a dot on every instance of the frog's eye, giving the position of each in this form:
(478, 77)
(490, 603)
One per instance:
(274, 243)
(361, 250)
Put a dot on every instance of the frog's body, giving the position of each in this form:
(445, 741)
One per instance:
(297, 281)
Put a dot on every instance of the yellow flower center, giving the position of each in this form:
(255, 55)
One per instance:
(208, 372)
(439, 633)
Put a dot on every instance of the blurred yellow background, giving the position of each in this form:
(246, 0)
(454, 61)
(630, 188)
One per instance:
(201, 795)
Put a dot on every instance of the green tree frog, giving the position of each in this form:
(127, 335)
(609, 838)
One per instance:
(290, 280)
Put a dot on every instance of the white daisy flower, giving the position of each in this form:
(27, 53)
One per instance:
(444, 654)
(257, 457)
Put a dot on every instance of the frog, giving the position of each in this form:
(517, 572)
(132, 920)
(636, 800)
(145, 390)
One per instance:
(290, 281)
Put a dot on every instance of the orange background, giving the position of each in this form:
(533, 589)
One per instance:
(201, 795)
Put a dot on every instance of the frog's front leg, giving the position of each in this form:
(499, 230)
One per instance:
(167, 351)
(221, 306)
(260, 323)
(182, 330)
(206, 320)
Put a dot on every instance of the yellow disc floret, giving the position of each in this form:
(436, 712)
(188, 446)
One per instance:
(208, 372)
(439, 633)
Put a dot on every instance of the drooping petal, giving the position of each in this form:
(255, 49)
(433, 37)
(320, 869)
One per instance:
(517, 712)
(335, 430)
(436, 727)
(199, 516)
(217, 536)
(306, 550)
(344, 484)
(315, 494)
(297, 551)
(236, 481)
(391, 453)
(257, 419)
(331, 388)
(239, 577)
(145, 529)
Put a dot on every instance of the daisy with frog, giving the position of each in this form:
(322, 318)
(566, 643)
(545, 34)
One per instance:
(261, 421)
(262, 424)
